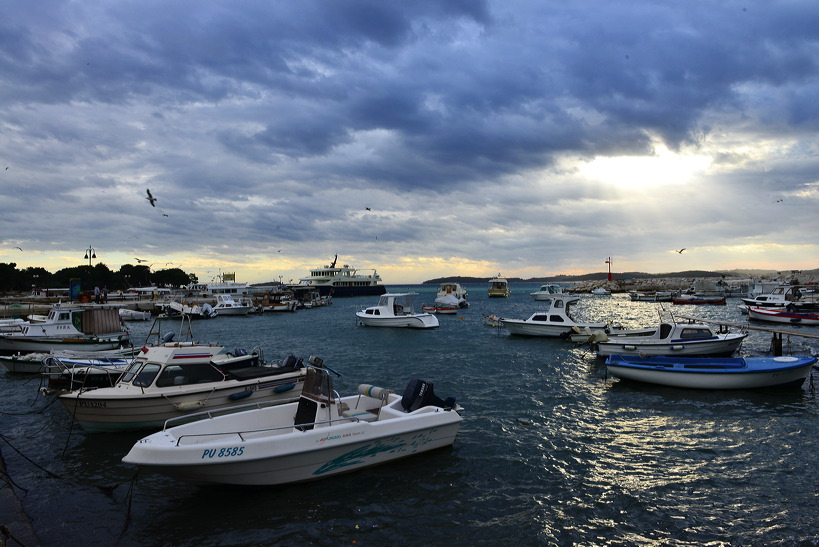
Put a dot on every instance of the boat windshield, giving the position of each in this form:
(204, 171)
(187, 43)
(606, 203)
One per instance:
(318, 386)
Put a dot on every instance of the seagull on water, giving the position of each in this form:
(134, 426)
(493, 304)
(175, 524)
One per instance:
(150, 197)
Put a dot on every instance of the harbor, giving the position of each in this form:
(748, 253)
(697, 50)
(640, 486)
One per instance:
(552, 450)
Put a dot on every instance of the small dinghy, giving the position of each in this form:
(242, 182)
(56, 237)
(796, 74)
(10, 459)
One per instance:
(713, 373)
(320, 435)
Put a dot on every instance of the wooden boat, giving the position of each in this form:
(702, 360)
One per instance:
(709, 373)
(179, 378)
(396, 310)
(319, 436)
(672, 338)
(782, 316)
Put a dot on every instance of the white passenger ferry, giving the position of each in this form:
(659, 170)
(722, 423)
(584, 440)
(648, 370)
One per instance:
(343, 281)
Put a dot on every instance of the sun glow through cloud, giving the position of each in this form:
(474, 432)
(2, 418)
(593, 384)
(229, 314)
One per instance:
(663, 168)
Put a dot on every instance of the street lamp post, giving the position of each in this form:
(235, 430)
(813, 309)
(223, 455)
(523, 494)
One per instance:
(89, 254)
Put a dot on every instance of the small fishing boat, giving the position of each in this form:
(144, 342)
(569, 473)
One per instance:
(396, 310)
(454, 289)
(555, 322)
(179, 378)
(71, 328)
(600, 291)
(226, 305)
(319, 436)
(713, 373)
(134, 315)
(498, 287)
(782, 316)
(447, 305)
(546, 291)
(491, 320)
(672, 338)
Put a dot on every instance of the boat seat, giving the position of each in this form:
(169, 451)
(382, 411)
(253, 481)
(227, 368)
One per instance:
(361, 414)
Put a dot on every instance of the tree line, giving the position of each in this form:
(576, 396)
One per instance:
(13, 280)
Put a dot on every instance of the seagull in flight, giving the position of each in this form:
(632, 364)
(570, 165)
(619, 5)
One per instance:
(139, 260)
(150, 197)
(779, 200)
(18, 248)
(681, 250)
(367, 209)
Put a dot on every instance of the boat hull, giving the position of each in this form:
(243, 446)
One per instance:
(414, 321)
(32, 344)
(108, 410)
(332, 290)
(288, 455)
(782, 316)
(529, 328)
(724, 346)
(747, 373)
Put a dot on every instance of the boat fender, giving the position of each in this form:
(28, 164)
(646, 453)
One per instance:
(189, 405)
(630, 347)
(375, 392)
(282, 389)
(240, 395)
(678, 347)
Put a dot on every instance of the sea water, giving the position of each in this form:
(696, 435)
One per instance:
(551, 451)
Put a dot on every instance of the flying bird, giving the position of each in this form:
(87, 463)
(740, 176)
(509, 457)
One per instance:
(164, 214)
(18, 248)
(681, 250)
(777, 201)
(140, 260)
(365, 208)
(151, 198)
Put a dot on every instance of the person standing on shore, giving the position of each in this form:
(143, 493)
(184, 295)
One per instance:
(97, 295)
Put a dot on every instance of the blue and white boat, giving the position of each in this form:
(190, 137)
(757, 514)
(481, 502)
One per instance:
(713, 373)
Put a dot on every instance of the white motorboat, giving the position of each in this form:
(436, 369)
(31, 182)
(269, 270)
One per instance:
(498, 287)
(653, 296)
(555, 322)
(600, 291)
(179, 378)
(396, 310)
(176, 308)
(710, 373)
(71, 328)
(343, 281)
(13, 325)
(33, 363)
(134, 315)
(226, 305)
(450, 288)
(782, 316)
(778, 296)
(319, 436)
(672, 338)
(546, 291)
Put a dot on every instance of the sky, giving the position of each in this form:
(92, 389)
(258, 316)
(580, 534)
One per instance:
(422, 139)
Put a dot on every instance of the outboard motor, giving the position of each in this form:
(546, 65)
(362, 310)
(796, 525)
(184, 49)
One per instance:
(420, 393)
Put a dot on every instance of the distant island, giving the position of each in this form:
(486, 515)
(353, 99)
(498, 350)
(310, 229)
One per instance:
(623, 276)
